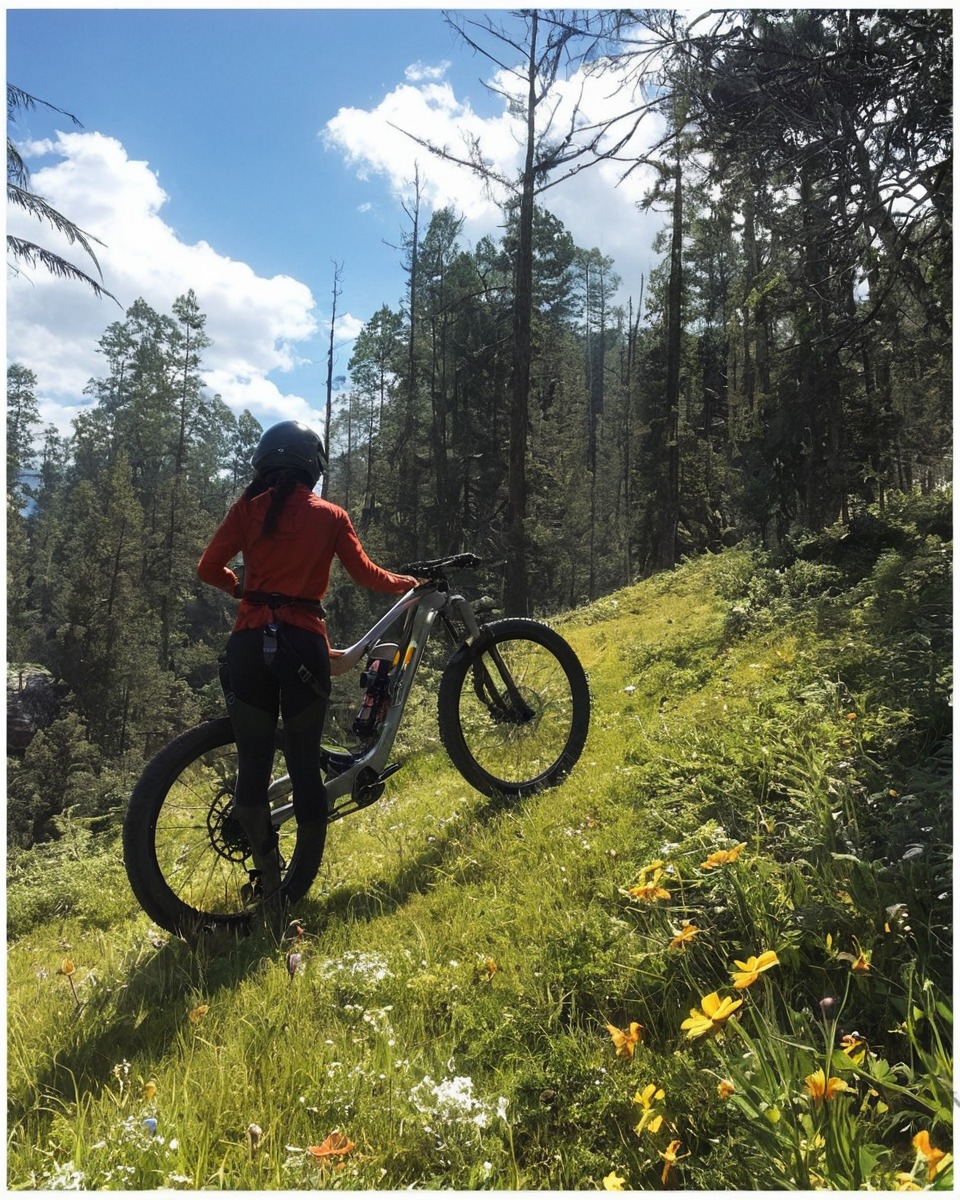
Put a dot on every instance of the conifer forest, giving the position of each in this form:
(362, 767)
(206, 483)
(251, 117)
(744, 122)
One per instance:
(784, 370)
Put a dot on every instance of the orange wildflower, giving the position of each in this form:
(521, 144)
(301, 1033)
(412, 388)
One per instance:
(335, 1145)
(720, 858)
(198, 1013)
(485, 971)
(670, 1158)
(931, 1154)
(861, 964)
(626, 1040)
(725, 1089)
(682, 936)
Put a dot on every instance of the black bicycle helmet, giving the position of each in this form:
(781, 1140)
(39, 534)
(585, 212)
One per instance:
(290, 445)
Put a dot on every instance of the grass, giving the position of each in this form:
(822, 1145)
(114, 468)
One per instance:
(464, 963)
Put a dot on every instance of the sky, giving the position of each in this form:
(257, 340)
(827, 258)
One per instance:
(249, 154)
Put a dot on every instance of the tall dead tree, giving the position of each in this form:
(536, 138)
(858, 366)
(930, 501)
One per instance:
(337, 274)
(529, 67)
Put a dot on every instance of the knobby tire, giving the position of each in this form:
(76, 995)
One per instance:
(187, 862)
(517, 733)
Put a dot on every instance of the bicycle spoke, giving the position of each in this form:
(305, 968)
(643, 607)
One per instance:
(523, 731)
(200, 855)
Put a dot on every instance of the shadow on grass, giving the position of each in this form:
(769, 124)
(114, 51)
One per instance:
(376, 898)
(144, 1014)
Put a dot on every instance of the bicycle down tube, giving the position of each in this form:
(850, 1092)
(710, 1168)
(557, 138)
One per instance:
(375, 758)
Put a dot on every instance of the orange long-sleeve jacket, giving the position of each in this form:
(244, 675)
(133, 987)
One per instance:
(294, 561)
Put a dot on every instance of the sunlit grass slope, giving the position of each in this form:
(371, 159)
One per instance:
(716, 957)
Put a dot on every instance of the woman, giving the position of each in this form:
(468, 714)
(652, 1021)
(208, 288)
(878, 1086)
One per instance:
(278, 654)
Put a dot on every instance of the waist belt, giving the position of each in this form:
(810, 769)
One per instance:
(277, 600)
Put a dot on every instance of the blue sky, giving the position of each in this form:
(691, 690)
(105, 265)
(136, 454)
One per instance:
(241, 152)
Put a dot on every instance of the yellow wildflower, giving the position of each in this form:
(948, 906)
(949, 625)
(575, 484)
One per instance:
(931, 1154)
(821, 1088)
(861, 964)
(682, 936)
(709, 1021)
(613, 1182)
(626, 1040)
(646, 1099)
(906, 1183)
(853, 1047)
(670, 1158)
(649, 891)
(751, 970)
(725, 1089)
(149, 1090)
(720, 858)
(649, 886)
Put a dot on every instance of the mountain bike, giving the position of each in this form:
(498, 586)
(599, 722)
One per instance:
(513, 709)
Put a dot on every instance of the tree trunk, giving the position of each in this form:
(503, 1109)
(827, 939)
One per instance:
(516, 598)
(668, 482)
(328, 418)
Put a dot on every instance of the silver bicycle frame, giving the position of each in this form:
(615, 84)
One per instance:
(375, 758)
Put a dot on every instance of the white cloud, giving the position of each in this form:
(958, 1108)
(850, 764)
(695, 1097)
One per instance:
(53, 326)
(347, 327)
(419, 71)
(598, 206)
(371, 142)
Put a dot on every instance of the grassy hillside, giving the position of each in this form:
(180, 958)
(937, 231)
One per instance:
(542, 995)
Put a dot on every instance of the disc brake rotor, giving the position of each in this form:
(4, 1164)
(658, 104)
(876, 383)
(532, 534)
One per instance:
(226, 834)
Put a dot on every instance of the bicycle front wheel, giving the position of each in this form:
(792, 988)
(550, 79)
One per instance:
(187, 859)
(514, 708)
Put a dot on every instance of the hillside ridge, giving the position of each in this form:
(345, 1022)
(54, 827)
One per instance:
(544, 994)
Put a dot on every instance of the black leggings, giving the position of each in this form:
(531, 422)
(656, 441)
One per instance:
(260, 695)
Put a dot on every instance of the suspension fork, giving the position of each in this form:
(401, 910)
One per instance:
(484, 684)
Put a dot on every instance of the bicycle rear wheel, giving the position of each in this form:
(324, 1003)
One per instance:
(187, 859)
(514, 708)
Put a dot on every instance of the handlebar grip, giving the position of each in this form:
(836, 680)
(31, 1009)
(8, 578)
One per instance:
(436, 568)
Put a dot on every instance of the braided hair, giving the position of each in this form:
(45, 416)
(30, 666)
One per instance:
(282, 484)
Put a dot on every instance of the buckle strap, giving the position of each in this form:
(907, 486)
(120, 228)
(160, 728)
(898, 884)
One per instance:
(275, 600)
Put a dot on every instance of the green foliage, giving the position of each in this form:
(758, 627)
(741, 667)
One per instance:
(786, 700)
(463, 962)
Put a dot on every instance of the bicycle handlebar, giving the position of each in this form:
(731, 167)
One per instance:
(436, 568)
